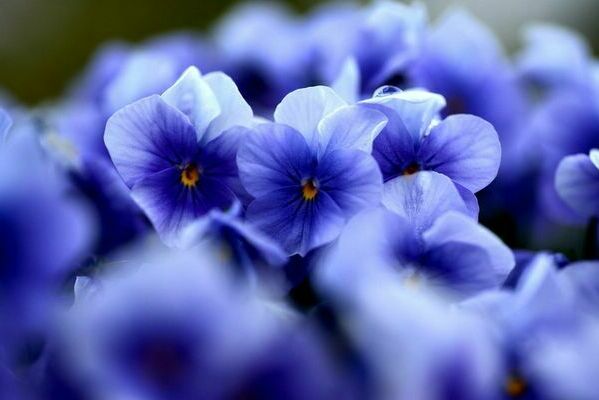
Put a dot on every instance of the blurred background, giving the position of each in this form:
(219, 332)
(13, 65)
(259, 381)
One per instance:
(45, 43)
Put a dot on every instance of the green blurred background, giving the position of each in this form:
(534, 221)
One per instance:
(44, 43)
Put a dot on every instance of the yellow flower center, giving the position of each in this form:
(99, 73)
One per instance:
(309, 190)
(190, 176)
(411, 169)
(515, 386)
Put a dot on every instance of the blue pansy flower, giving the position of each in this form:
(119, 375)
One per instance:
(178, 328)
(462, 60)
(414, 345)
(381, 41)
(554, 57)
(263, 48)
(424, 236)
(176, 152)
(577, 182)
(465, 148)
(549, 344)
(310, 170)
(45, 232)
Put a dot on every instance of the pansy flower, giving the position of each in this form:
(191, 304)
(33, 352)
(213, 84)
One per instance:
(176, 152)
(310, 170)
(425, 236)
(465, 148)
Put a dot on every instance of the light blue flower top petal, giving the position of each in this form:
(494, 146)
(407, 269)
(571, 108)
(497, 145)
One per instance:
(5, 124)
(577, 182)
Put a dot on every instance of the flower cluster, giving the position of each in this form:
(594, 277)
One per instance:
(348, 204)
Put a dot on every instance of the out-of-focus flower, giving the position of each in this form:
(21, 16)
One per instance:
(554, 58)
(463, 61)
(427, 238)
(178, 328)
(549, 343)
(5, 123)
(263, 49)
(463, 147)
(176, 152)
(414, 345)
(311, 170)
(382, 40)
(45, 232)
(577, 182)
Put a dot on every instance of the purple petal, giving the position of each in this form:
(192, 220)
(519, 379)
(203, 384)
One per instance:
(235, 111)
(577, 182)
(298, 225)
(352, 179)
(422, 198)
(171, 206)
(394, 148)
(148, 136)
(351, 127)
(303, 109)
(415, 108)
(273, 157)
(453, 230)
(5, 123)
(465, 148)
(193, 97)
(469, 199)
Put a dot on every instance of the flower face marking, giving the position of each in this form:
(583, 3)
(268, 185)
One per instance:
(309, 189)
(411, 169)
(190, 175)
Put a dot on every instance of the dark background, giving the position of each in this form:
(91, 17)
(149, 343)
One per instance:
(44, 43)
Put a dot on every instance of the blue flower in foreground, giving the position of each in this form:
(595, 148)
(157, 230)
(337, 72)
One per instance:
(463, 147)
(550, 346)
(177, 328)
(425, 236)
(177, 151)
(310, 171)
(577, 182)
(414, 345)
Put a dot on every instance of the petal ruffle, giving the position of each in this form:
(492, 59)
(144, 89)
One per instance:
(351, 127)
(303, 109)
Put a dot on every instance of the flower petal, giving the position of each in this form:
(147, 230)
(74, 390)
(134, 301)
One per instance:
(422, 198)
(351, 127)
(193, 97)
(299, 226)
(577, 182)
(465, 148)
(303, 109)
(272, 157)
(148, 136)
(5, 124)
(235, 111)
(352, 179)
(454, 230)
(347, 84)
(416, 108)
(171, 206)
